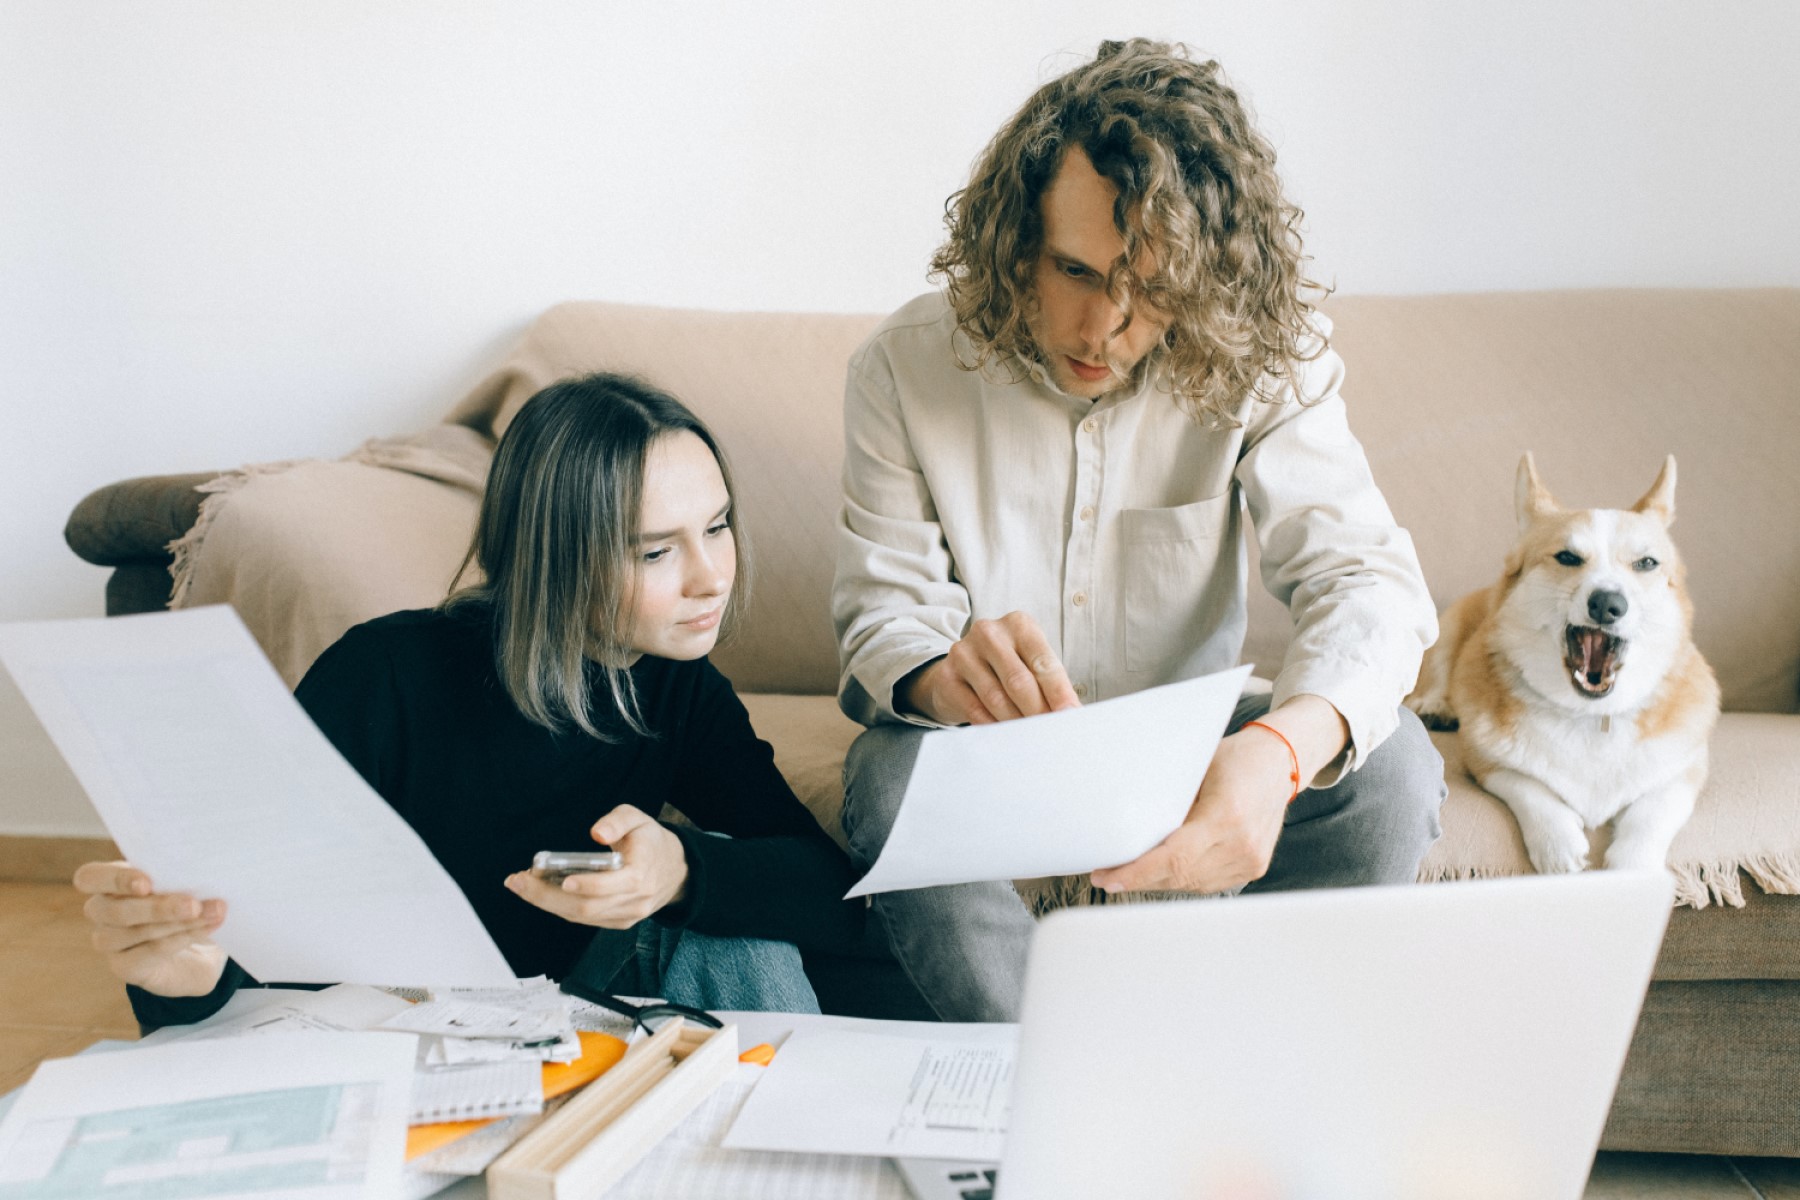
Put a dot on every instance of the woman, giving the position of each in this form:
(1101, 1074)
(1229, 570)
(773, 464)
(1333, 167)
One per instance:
(570, 685)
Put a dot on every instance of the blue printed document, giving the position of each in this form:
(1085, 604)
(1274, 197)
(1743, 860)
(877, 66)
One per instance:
(315, 1116)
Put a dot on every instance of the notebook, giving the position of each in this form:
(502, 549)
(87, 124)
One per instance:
(508, 1088)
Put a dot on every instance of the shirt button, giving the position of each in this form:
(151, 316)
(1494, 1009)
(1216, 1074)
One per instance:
(1080, 690)
(1089, 425)
(1087, 512)
(1078, 599)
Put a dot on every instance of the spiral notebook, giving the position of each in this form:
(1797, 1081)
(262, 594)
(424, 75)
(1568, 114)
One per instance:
(470, 1092)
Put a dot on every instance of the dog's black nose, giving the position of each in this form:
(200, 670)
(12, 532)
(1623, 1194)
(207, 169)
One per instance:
(1607, 607)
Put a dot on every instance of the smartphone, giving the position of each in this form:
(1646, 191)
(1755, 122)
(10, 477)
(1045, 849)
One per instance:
(554, 866)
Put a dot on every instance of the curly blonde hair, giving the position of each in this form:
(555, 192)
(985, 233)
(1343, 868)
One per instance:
(1197, 191)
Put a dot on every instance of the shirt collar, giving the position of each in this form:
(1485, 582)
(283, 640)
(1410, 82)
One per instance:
(1040, 375)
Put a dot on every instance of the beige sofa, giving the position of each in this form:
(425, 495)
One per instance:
(1445, 392)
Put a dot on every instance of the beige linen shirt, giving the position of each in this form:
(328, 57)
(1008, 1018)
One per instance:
(1118, 525)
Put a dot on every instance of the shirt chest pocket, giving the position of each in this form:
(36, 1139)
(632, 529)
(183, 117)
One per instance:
(1172, 559)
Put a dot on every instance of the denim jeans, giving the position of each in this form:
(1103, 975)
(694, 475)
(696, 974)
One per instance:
(964, 946)
(684, 967)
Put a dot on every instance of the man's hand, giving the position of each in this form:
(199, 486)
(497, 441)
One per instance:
(654, 875)
(1000, 670)
(1229, 836)
(159, 942)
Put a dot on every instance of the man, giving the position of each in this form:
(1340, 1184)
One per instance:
(1045, 474)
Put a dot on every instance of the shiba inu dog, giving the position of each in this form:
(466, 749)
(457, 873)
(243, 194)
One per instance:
(1575, 680)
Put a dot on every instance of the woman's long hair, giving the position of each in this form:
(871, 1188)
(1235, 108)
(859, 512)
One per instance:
(555, 544)
(1197, 191)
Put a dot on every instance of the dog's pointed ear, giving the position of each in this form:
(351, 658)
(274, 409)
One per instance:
(1531, 499)
(1659, 501)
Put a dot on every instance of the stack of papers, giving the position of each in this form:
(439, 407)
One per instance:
(446, 1085)
(529, 1018)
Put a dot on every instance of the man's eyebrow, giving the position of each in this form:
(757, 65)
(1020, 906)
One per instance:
(666, 534)
(1053, 252)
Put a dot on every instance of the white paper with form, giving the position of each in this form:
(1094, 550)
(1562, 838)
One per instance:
(211, 778)
(296, 1116)
(1064, 793)
(841, 1092)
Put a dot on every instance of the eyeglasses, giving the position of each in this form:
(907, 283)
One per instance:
(648, 1017)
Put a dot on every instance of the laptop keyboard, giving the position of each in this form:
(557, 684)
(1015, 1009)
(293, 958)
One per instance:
(974, 1185)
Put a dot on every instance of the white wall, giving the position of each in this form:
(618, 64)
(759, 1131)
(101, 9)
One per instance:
(232, 232)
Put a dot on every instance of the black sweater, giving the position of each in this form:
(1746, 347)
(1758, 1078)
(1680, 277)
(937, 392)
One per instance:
(413, 702)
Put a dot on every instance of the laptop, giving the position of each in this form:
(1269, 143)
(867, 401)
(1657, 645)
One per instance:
(1452, 1040)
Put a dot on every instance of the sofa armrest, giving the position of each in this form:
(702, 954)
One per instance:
(131, 523)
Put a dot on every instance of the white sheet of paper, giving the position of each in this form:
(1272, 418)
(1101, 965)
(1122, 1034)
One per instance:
(314, 1116)
(346, 1008)
(1064, 793)
(691, 1164)
(775, 1028)
(842, 1092)
(213, 779)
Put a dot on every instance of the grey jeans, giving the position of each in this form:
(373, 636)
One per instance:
(964, 946)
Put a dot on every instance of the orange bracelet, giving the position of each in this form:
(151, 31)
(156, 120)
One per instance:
(1295, 777)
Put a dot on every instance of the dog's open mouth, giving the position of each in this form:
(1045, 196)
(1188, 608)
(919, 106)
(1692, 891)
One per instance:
(1592, 656)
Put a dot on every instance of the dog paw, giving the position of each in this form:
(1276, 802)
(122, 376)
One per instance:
(1433, 709)
(1636, 858)
(1557, 847)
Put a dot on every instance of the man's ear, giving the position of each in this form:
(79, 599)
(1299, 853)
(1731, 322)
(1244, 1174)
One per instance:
(1659, 501)
(1531, 499)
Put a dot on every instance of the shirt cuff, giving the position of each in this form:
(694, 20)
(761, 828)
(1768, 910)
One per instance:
(680, 913)
(868, 692)
(153, 1011)
(1364, 707)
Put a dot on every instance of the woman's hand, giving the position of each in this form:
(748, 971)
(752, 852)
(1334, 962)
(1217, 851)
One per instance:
(160, 942)
(654, 875)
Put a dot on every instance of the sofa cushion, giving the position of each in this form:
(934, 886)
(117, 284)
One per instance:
(1761, 940)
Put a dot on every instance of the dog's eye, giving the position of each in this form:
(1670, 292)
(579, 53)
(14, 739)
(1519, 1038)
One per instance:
(1645, 563)
(1569, 558)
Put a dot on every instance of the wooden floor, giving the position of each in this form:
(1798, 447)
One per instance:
(56, 997)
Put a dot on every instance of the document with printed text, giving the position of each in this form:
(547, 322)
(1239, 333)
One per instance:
(1064, 793)
(842, 1092)
(211, 777)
